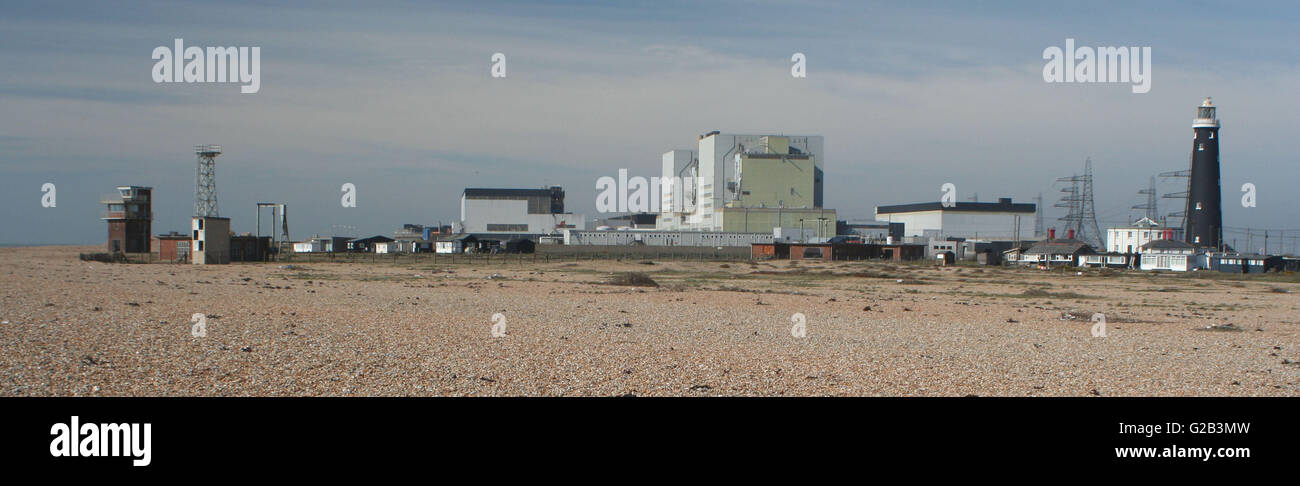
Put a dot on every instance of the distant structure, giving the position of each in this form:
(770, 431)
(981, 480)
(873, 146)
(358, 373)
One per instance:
(211, 236)
(205, 180)
(1081, 216)
(1151, 211)
(129, 215)
(279, 239)
(1132, 237)
(1204, 222)
(1038, 216)
(745, 184)
(211, 233)
(515, 212)
(1180, 216)
(1002, 220)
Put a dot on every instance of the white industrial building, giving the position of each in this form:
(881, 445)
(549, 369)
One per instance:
(745, 184)
(989, 221)
(664, 238)
(516, 212)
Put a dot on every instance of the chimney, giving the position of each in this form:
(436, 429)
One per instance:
(1051, 234)
(1071, 234)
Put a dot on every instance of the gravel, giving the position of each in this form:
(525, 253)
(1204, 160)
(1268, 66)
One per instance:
(76, 328)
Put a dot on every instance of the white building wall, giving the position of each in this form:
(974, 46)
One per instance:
(477, 214)
(1130, 240)
(664, 238)
(915, 223)
(987, 225)
(963, 224)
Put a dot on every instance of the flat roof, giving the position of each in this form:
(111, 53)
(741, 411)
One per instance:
(978, 207)
(494, 192)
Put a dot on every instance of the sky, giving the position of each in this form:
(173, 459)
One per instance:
(397, 98)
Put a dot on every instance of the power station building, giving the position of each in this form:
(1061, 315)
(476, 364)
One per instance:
(745, 184)
(516, 212)
(991, 221)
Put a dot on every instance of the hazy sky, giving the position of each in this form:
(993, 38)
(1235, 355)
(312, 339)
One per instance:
(398, 99)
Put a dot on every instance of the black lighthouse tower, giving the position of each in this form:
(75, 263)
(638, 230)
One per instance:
(1204, 222)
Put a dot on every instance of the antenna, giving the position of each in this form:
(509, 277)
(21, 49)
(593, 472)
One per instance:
(205, 180)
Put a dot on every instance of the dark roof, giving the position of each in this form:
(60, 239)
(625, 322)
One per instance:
(373, 239)
(1167, 245)
(1063, 246)
(1002, 206)
(488, 192)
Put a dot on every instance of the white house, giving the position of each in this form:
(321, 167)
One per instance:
(1129, 239)
(1172, 255)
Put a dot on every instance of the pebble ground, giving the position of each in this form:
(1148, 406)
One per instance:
(75, 328)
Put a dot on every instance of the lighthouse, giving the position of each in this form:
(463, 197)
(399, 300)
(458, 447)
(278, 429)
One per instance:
(1204, 222)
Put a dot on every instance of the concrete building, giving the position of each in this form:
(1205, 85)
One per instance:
(129, 213)
(990, 221)
(514, 212)
(211, 240)
(745, 184)
(663, 238)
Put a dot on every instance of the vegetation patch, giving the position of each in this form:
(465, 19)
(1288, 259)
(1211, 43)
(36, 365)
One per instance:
(632, 279)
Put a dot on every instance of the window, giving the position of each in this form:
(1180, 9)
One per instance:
(507, 227)
(812, 252)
